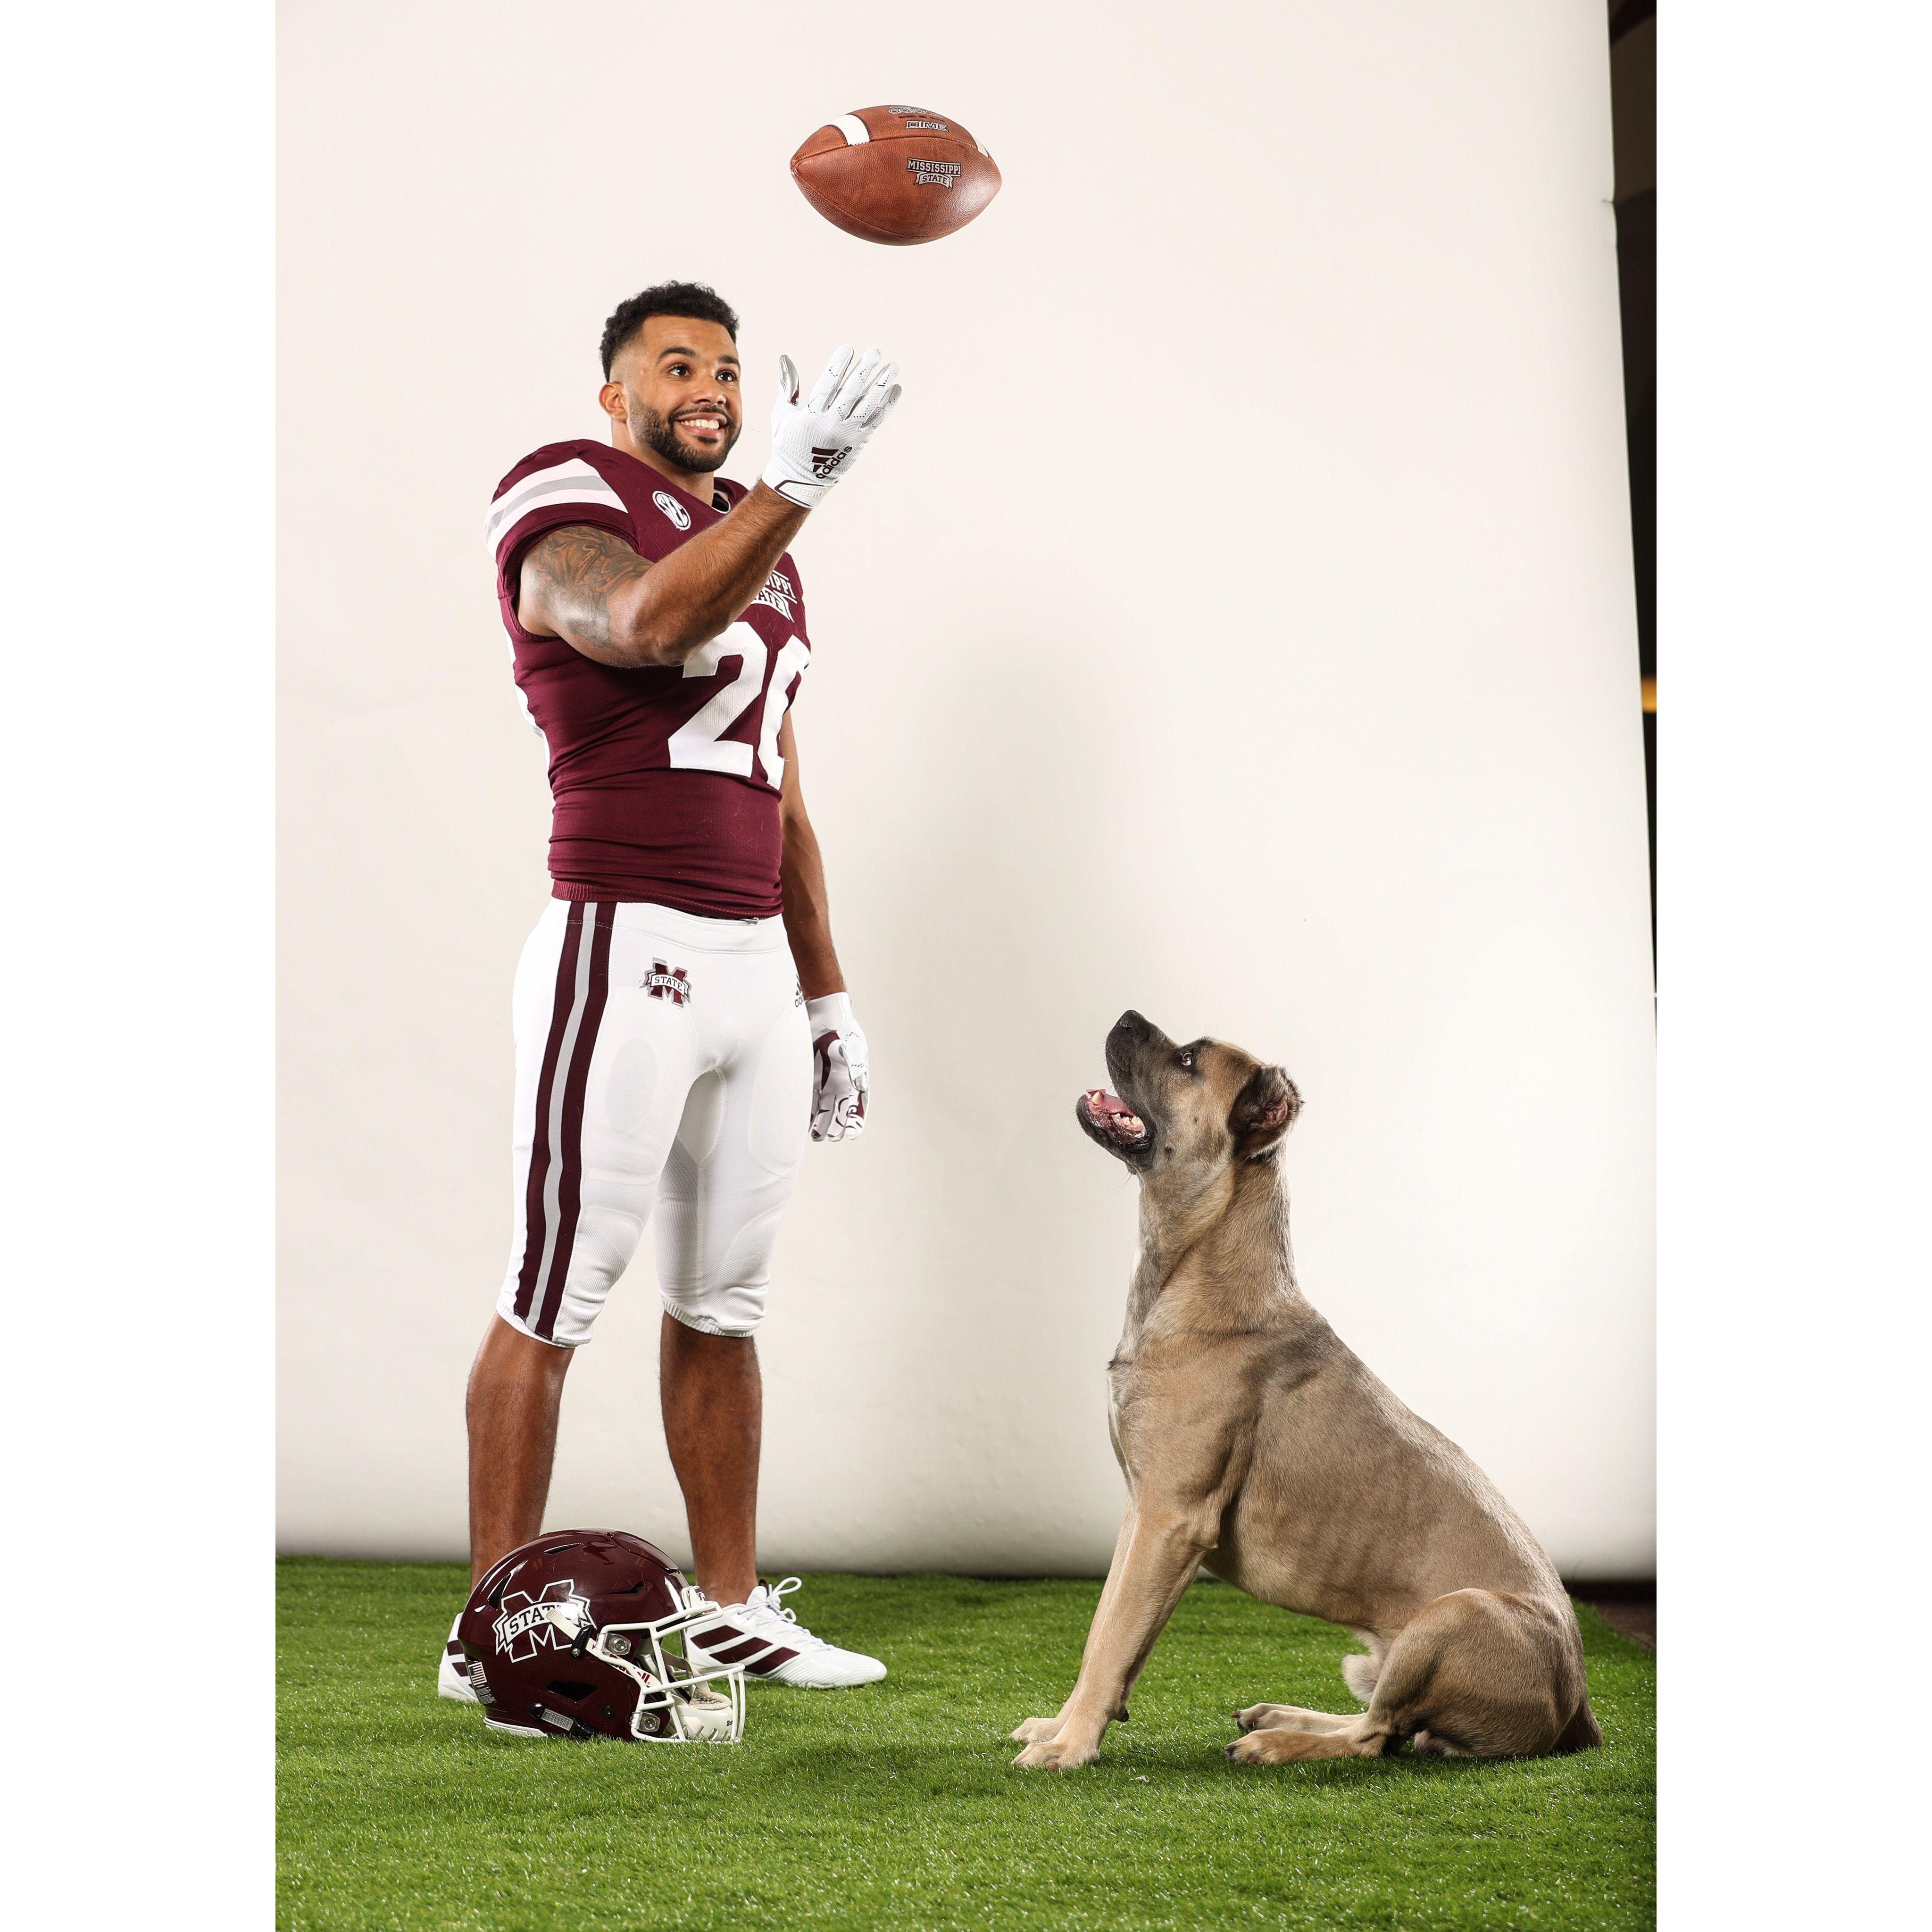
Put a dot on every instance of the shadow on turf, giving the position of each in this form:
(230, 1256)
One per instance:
(1171, 1759)
(959, 1770)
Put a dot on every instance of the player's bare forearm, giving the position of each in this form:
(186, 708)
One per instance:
(586, 585)
(807, 922)
(807, 917)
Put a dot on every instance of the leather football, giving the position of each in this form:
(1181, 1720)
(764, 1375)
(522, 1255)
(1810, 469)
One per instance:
(895, 174)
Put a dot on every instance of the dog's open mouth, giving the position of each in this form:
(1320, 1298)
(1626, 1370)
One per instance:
(1109, 1118)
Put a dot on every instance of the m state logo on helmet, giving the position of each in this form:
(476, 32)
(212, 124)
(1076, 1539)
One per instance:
(581, 1634)
(527, 1625)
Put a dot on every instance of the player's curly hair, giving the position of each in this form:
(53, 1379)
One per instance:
(685, 298)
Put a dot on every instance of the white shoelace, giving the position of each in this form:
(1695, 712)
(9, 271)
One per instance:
(796, 1635)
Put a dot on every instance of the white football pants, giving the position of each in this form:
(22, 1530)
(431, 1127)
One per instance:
(663, 1065)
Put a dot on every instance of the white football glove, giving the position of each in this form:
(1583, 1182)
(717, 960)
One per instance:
(813, 445)
(839, 1081)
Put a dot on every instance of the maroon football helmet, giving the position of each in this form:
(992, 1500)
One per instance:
(581, 1634)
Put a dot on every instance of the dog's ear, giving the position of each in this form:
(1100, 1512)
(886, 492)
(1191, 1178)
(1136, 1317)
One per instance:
(1264, 1112)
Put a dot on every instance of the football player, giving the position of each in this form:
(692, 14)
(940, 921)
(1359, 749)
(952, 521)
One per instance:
(680, 1018)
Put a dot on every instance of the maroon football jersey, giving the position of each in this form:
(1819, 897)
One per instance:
(664, 781)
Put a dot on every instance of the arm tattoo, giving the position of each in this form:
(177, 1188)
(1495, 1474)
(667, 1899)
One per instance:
(569, 576)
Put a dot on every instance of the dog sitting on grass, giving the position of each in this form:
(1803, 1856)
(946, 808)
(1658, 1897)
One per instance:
(1254, 1442)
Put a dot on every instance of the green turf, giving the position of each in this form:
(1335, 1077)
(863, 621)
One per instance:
(895, 1805)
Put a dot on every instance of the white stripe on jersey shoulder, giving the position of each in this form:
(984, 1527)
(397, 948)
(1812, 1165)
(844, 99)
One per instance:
(857, 134)
(574, 482)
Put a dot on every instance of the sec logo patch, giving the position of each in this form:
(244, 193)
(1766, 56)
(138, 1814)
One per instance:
(672, 508)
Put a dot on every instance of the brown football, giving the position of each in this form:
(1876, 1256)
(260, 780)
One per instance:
(895, 174)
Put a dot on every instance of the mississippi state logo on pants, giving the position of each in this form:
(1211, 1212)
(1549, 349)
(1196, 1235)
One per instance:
(662, 983)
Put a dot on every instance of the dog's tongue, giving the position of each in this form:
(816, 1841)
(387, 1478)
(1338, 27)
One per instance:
(1100, 1101)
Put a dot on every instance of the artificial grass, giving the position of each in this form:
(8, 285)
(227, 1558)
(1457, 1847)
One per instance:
(895, 1805)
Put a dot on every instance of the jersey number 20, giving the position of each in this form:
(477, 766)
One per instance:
(700, 744)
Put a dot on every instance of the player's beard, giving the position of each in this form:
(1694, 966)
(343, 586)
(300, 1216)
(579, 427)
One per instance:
(658, 433)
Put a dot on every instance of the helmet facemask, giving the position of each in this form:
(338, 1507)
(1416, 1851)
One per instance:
(679, 1702)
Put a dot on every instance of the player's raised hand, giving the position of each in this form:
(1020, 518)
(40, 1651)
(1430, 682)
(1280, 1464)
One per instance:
(814, 444)
(849, 388)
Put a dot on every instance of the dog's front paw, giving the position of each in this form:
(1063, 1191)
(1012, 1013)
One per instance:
(1034, 1730)
(1258, 1717)
(1289, 1743)
(1262, 1747)
(1056, 1753)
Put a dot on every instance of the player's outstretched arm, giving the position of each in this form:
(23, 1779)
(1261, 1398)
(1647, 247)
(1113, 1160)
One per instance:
(587, 585)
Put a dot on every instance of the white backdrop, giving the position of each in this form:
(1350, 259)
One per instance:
(1234, 622)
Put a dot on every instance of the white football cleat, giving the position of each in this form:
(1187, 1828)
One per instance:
(768, 1642)
(452, 1675)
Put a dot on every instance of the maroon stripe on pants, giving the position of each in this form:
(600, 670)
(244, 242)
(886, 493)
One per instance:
(570, 1178)
(540, 1149)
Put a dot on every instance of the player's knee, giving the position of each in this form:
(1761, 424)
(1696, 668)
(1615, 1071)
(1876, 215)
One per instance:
(726, 1307)
(715, 1285)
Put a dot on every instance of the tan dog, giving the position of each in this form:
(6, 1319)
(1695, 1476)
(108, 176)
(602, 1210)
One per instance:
(1255, 1442)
